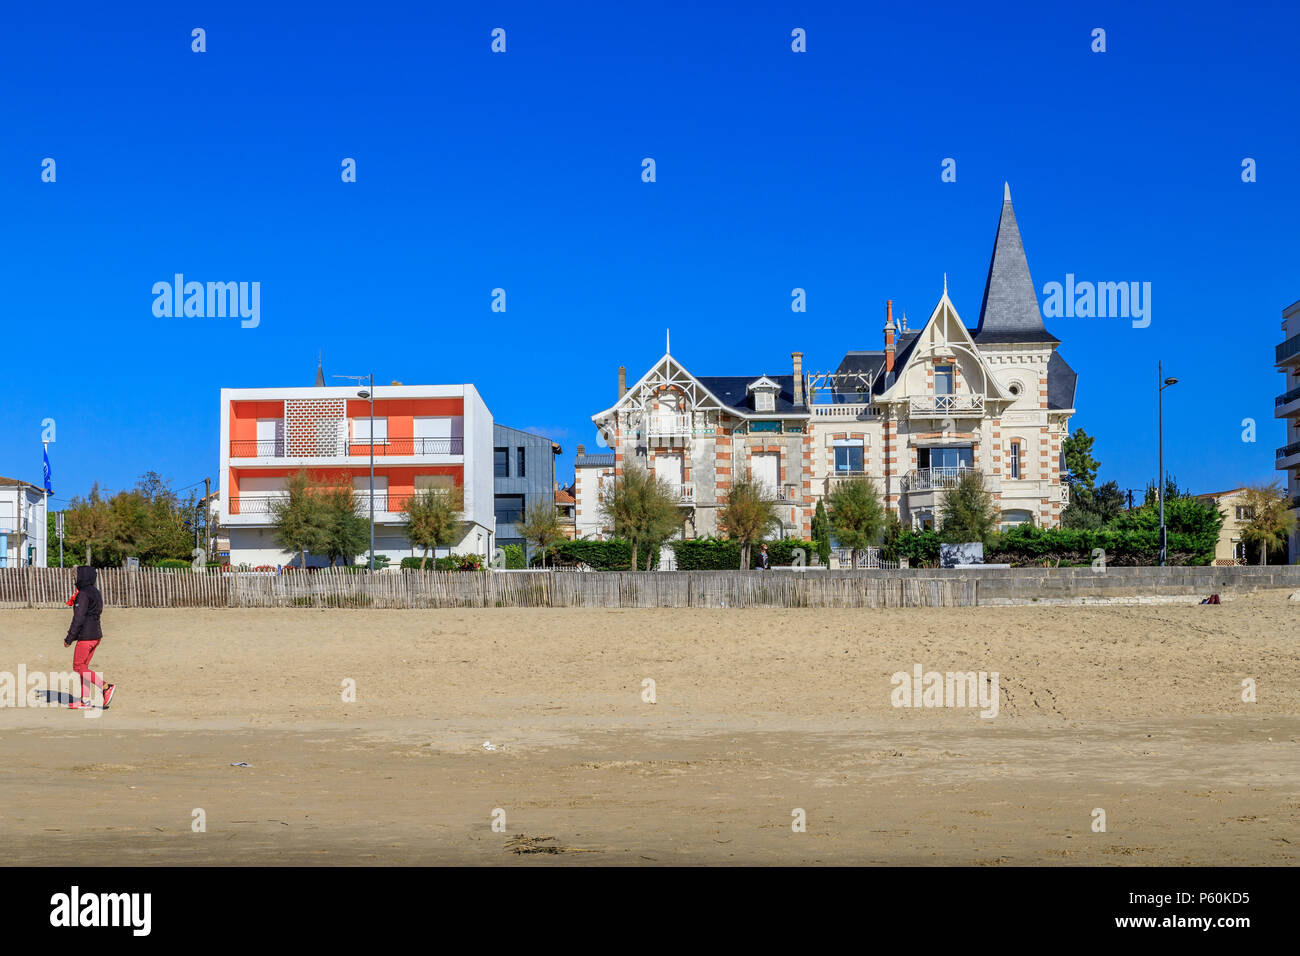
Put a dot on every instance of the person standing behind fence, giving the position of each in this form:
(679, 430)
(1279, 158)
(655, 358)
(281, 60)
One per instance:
(763, 559)
(86, 633)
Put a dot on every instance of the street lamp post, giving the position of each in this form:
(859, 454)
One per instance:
(1163, 384)
(369, 393)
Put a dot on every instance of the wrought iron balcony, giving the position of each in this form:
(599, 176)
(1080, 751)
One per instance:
(410, 447)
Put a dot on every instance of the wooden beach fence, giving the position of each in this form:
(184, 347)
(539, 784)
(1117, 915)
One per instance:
(344, 588)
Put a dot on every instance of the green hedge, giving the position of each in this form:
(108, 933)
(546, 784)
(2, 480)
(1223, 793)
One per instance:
(723, 554)
(514, 554)
(1028, 545)
(613, 555)
(455, 562)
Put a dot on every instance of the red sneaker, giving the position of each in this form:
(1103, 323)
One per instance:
(108, 694)
(79, 704)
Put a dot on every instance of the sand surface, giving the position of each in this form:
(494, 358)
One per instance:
(1134, 710)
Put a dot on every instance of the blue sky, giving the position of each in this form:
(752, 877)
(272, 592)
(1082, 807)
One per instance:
(522, 170)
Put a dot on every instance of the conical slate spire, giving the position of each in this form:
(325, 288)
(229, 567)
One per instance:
(1009, 312)
(320, 373)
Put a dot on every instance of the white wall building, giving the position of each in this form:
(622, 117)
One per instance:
(424, 436)
(22, 524)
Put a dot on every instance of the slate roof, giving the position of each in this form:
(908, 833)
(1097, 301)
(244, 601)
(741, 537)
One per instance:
(1061, 382)
(594, 461)
(874, 362)
(732, 391)
(1009, 311)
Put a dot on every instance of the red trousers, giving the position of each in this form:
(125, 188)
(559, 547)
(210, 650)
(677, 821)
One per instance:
(85, 650)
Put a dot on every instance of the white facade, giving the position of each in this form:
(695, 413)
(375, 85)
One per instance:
(423, 436)
(22, 525)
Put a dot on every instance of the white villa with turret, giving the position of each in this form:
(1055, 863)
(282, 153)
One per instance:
(912, 416)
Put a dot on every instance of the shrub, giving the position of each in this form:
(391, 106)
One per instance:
(612, 555)
(921, 548)
(723, 554)
(514, 554)
(1137, 545)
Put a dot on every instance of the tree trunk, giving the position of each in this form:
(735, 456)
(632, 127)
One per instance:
(634, 555)
(424, 558)
(649, 558)
(855, 559)
(302, 555)
(88, 564)
(1263, 553)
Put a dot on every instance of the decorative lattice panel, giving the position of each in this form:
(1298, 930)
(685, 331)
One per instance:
(315, 427)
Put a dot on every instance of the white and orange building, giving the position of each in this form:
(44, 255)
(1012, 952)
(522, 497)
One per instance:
(424, 436)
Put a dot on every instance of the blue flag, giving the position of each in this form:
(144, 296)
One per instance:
(48, 489)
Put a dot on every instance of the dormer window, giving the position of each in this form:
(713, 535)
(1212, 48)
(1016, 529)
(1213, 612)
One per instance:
(764, 391)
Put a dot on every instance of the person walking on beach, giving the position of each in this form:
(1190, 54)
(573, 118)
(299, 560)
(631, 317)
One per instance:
(85, 632)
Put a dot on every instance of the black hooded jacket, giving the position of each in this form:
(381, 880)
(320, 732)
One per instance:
(88, 608)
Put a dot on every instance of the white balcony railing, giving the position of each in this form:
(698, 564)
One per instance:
(851, 411)
(686, 493)
(935, 406)
(263, 505)
(668, 426)
(934, 479)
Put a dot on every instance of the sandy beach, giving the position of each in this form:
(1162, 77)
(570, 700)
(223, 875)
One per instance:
(1134, 710)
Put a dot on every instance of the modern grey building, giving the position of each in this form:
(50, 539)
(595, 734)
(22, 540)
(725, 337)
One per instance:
(523, 470)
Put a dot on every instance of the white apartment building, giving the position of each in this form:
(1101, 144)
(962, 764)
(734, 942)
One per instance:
(22, 524)
(424, 436)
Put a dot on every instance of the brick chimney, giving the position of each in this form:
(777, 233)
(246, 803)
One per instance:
(889, 336)
(797, 359)
(582, 450)
(622, 380)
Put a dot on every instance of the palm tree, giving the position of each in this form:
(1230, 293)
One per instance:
(1271, 518)
(747, 515)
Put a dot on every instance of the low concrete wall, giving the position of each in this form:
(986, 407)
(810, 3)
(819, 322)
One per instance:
(1025, 585)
